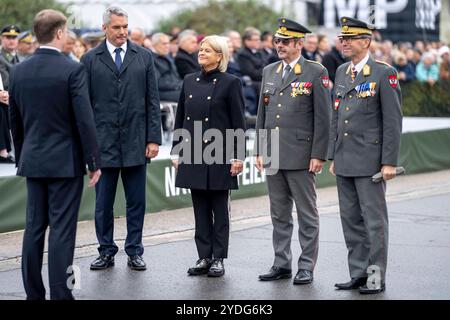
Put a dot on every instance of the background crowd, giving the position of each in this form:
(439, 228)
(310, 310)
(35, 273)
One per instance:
(175, 56)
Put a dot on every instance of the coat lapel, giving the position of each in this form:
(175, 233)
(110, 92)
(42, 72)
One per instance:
(129, 56)
(106, 58)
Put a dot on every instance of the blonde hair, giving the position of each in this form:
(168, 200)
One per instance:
(219, 45)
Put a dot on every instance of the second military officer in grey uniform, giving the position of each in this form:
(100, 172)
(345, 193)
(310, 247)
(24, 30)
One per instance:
(365, 139)
(295, 102)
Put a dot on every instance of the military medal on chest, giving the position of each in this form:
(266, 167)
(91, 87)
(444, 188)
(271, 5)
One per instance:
(301, 88)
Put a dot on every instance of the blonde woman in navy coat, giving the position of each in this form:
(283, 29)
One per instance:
(211, 99)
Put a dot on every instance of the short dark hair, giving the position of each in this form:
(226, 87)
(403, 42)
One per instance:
(266, 35)
(46, 23)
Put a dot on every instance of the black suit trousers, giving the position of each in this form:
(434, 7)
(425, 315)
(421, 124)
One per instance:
(133, 179)
(54, 203)
(212, 222)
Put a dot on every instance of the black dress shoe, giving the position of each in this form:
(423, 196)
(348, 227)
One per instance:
(102, 262)
(276, 273)
(217, 268)
(137, 263)
(354, 283)
(201, 267)
(7, 160)
(366, 290)
(303, 277)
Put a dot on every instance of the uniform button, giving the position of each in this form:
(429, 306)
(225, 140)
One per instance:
(281, 93)
(350, 96)
(278, 116)
(279, 105)
(190, 96)
(376, 141)
(215, 80)
(346, 121)
(198, 79)
(267, 91)
(277, 128)
(189, 118)
(346, 134)
(209, 98)
(206, 119)
(347, 108)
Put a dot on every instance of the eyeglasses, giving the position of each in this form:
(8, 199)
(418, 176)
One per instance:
(285, 42)
(350, 39)
(11, 37)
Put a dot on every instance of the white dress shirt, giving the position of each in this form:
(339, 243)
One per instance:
(50, 48)
(112, 47)
(361, 64)
(292, 64)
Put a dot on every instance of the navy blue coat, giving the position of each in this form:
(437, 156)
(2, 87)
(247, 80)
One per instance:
(126, 104)
(215, 101)
(51, 117)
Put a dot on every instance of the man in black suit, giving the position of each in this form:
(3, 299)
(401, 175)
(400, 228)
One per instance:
(251, 62)
(124, 95)
(54, 137)
(186, 58)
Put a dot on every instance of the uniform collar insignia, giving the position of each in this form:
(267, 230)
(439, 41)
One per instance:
(298, 69)
(366, 70)
(280, 66)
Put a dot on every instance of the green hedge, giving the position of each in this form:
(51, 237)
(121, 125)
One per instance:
(422, 100)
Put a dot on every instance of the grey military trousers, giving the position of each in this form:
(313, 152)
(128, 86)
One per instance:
(364, 220)
(285, 188)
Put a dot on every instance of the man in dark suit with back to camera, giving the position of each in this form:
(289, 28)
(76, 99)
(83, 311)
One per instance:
(54, 137)
(124, 96)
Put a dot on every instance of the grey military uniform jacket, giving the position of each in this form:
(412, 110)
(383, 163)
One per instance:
(367, 120)
(298, 108)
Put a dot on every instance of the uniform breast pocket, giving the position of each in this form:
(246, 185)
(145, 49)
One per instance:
(371, 105)
(269, 90)
(372, 138)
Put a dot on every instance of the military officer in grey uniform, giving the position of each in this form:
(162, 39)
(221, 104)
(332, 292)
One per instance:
(295, 102)
(364, 139)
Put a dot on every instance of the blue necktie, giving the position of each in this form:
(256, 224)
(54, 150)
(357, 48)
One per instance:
(118, 60)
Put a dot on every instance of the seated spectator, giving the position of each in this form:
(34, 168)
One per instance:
(427, 70)
(269, 53)
(169, 81)
(236, 41)
(405, 69)
(79, 49)
(137, 36)
(323, 47)
(444, 69)
(249, 93)
(309, 50)
(251, 62)
(410, 57)
(186, 58)
(333, 59)
(69, 46)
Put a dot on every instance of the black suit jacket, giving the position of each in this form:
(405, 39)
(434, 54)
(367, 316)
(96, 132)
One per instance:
(186, 63)
(126, 104)
(51, 118)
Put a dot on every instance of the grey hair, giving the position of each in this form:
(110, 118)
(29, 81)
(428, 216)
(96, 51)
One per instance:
(156, 38)
(186, 34)
(113, 11)
(71, 34)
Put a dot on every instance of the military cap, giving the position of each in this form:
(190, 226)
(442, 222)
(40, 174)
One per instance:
(11, 30)
(26, 37)
(353, 27)
(290, 29)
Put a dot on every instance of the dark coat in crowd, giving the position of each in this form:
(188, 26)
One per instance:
(186, 63)
(169, 81)
(332, 60)
(5, 141)
(215, 99)
(126, 104)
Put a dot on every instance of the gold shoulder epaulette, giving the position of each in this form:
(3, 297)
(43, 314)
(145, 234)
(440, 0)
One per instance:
(383, 62)
(315, 62)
